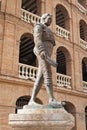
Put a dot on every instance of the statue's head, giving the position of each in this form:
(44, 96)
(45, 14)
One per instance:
(46, 19)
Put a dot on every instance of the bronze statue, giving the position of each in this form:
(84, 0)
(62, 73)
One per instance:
(44, 43)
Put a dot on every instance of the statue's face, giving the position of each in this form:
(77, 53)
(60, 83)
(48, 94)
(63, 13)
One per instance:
(48, 20)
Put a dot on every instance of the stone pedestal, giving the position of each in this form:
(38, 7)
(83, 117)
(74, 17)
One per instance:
(41, 119)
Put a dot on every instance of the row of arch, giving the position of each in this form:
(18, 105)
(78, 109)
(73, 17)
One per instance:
(34, 5)
(61, 14)
(69, 107)
(63, 57)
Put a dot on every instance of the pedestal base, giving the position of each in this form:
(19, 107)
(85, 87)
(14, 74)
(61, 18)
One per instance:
(41, 119)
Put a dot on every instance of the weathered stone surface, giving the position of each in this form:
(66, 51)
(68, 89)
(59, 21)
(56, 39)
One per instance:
(30, 119)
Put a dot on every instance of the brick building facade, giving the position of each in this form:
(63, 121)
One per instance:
(18, 64)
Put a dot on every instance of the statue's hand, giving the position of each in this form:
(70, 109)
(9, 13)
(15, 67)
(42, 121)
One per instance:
(43, 55)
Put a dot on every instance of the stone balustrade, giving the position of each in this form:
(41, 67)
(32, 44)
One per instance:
(63, 80)
(27, 71)
(33, 18)
(82, 9)
(62, 32)
(29, 17)
(84, 85)
(83, 44)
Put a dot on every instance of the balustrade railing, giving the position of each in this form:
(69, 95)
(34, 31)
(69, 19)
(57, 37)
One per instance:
(30, 72)
(29, 17)
(63, 80)
(82, 9)
(84, 85)
(27, 71)
(33, 18)
(83, 44)
(62, 32)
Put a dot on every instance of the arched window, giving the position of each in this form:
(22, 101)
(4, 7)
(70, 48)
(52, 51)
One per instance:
(62, 17)
(26, 55)
(64, 68)
(64, 61)
(32, 6)
(61, 60)
(83, 30)
(21, 101)
(86, 117)
(84, 69)
(69, 107)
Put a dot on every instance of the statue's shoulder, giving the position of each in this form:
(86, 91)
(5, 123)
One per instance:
(38, 27)
(38, 24)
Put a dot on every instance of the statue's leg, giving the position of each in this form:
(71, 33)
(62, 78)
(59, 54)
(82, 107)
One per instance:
(49, 85)
(37, 85)
(47, 74)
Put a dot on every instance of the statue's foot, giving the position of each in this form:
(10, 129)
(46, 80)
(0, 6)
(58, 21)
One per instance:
(55, 104)
(33, 103)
